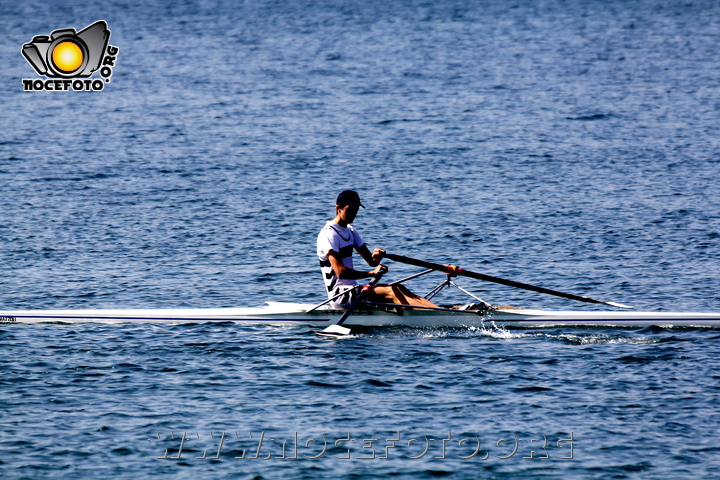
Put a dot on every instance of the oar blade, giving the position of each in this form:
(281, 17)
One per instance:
(334, 330)
(618, 305)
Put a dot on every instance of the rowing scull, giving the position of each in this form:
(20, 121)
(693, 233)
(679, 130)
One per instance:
(280, 313)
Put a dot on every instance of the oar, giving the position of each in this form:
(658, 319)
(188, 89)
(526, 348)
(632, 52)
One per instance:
(453, 270)
(335, 330)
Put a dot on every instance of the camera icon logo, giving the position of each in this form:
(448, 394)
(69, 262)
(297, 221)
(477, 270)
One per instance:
(68, 54)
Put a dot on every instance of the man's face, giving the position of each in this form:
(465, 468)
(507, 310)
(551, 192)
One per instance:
(348, 213)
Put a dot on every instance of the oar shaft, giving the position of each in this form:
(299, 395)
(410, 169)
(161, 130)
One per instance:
(453, 270)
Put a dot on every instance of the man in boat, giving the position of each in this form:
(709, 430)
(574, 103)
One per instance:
(335, 245)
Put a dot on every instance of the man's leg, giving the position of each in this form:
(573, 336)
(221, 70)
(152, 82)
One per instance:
(400, 295)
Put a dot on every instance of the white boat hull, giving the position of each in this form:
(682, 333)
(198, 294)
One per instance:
(276, 313)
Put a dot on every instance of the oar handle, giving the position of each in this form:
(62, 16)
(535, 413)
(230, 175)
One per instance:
(449, 269)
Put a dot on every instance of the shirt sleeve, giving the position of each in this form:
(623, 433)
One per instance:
(325, 243)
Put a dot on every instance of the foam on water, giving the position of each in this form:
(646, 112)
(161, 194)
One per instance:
(606, 339)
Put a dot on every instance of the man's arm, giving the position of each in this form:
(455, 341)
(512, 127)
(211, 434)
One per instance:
(348, 273)
(372, 259)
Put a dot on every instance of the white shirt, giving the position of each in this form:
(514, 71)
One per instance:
(342, 240)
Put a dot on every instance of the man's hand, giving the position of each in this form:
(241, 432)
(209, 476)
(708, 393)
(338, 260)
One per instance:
(378, 255)
(378, 269)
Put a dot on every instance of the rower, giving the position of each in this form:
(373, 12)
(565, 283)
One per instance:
(335, 245)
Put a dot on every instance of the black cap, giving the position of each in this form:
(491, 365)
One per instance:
(349, 197)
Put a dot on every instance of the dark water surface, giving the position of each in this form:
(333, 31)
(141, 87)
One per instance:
(572, 145)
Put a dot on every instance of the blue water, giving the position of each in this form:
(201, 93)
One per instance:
(568, 144)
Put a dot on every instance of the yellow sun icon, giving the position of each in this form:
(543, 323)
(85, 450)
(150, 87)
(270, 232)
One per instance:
(67, 56)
